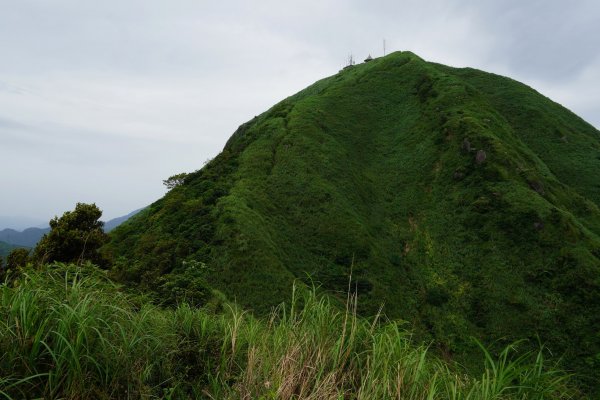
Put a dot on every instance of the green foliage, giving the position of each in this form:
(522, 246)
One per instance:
(12, 258)
(18, 258)
(68, 332)
(185, 286)
(378, 172)
(74, 237)
(5, 248)
(174, 181)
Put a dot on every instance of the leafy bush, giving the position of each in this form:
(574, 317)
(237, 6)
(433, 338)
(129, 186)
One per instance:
(74, 237)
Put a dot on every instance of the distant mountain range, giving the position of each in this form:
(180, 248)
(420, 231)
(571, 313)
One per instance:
(27, 238)
(113, 223)
(30, 236)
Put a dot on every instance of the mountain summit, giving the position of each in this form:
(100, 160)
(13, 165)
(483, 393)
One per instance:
(465, 202)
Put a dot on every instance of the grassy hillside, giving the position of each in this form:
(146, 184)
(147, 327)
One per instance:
(69, 333)
(465, 202)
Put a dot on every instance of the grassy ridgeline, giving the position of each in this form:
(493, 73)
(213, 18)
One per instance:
(375, 172)
(70, 333)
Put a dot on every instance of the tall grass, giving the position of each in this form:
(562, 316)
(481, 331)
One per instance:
(69, 333)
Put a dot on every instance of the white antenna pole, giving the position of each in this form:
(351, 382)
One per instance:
(384, 47)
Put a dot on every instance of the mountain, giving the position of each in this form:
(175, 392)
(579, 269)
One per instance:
(30, 236)
(465, 202)
(26, 238)
(113, 223)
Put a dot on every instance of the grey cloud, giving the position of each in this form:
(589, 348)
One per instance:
(552, 40)
(8, 124)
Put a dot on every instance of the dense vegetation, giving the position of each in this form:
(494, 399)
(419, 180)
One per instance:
(68, 332)
(457, 203)
(465, 202)
(11, 256)
(5, 249)
(74, 237)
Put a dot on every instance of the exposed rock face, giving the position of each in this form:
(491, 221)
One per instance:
(480, 157)
(466, 145)
(537, 186)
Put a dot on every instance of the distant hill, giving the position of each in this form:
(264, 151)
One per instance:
(465, 202)
(30, 236)
(113, 223)
(26, 238)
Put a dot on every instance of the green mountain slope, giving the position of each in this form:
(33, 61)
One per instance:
(26, 238)
(465, 202)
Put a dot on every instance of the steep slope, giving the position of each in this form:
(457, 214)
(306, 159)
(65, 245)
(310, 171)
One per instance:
(465, 202)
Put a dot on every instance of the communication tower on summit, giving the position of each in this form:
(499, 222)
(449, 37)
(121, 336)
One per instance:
(350, 62)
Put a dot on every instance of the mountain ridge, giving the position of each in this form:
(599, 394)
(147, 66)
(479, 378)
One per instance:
(463, 200)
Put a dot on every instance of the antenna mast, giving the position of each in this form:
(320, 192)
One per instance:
(350, 61)
(384, 47)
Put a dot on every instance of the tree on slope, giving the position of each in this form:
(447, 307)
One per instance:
(17, 258)
(74, 237)
(175, 180)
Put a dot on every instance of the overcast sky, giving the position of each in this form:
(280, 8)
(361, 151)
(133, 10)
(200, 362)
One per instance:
(102, 100)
